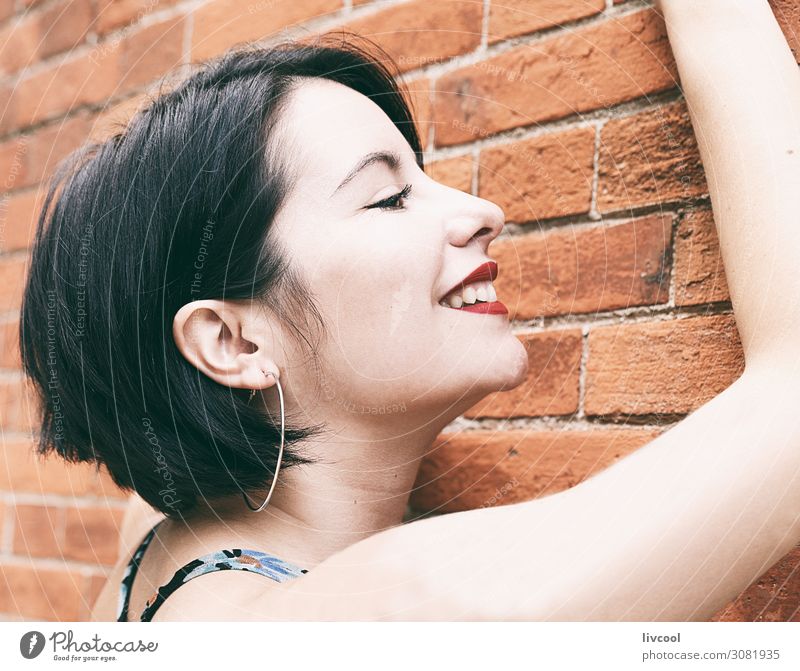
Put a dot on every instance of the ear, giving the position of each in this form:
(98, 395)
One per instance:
(210, 335)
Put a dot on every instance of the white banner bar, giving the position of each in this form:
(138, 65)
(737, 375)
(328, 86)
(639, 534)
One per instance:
(402, 646)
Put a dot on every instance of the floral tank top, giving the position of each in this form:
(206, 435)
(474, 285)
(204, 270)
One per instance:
(254, 561)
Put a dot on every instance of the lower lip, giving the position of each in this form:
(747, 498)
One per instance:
(493, 308)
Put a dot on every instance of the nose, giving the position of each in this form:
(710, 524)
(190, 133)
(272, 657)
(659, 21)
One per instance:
(474, 218)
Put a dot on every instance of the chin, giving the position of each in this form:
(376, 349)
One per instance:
(507, 369)
(514, 373)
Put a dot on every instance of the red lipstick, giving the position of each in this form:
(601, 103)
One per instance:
(486, 272)
(493, 308)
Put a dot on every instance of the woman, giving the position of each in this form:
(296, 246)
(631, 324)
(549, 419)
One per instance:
(260, 260)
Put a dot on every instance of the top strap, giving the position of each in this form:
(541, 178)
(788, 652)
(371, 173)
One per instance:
(130, 574)
(254, 561)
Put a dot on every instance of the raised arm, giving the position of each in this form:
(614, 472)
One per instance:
(679, 528)
(742, 88)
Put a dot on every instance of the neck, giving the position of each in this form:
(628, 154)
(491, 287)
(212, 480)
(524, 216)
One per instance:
(357, 487)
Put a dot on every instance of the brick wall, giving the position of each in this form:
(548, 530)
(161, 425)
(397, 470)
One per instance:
(565, 113)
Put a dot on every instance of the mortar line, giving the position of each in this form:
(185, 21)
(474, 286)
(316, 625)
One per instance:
(643, 423)
(55, 563)
(484, 27)
(82, 501)
(593, 212)
(582, 371)
(645, 314)
(188, 35)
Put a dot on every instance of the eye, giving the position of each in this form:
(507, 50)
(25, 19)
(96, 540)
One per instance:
(392, 202)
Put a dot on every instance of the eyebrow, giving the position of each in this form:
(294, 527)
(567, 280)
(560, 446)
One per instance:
(389, 158)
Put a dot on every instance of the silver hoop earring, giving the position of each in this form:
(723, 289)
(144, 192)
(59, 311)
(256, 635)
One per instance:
(280, 451)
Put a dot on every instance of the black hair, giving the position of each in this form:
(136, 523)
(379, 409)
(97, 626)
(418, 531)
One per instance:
(173, 208)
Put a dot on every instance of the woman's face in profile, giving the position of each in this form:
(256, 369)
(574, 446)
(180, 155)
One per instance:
(379, 275)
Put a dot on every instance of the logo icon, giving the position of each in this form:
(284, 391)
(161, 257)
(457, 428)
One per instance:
(31, 644)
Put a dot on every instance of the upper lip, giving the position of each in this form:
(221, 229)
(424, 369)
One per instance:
(486, 272)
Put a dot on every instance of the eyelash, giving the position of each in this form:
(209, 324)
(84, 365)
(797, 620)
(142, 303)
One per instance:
(391, 203)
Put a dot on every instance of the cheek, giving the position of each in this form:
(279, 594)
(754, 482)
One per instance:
(392, 312)
(377, 301)
(380, 317)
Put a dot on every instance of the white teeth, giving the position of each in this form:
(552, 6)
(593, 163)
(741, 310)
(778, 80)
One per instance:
(469, 294)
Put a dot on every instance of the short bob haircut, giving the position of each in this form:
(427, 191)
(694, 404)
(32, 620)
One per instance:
(177, 207)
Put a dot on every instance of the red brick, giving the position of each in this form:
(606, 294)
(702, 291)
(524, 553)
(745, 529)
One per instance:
(663, 367)
(91, 534)
(40, 593)
(542, 177)
(572, 270)
(8, 116)
(14, 163)
(23, 470)
(9, 344)
(774, 597)
(89, 78)
(151, 53)
(420, 32)
(578, 71)
(420, 97)
(18, 219)
(6, 9)
(37, 35)
(220, 24)
(64, 26)
(12, 279)
(38, 531)
(455, 172)
(18, 406)
(511, 18)
(114, 14)
(699, 273)
(649, 158)
(787, 12)
(48, 146)
(551, 386)
(475, 469)
(19, 44)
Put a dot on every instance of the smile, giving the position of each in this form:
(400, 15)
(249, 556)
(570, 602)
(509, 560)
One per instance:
(476, 293)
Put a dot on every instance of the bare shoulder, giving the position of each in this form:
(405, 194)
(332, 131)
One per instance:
(220, 596)
(415, 571)
(403, 573)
